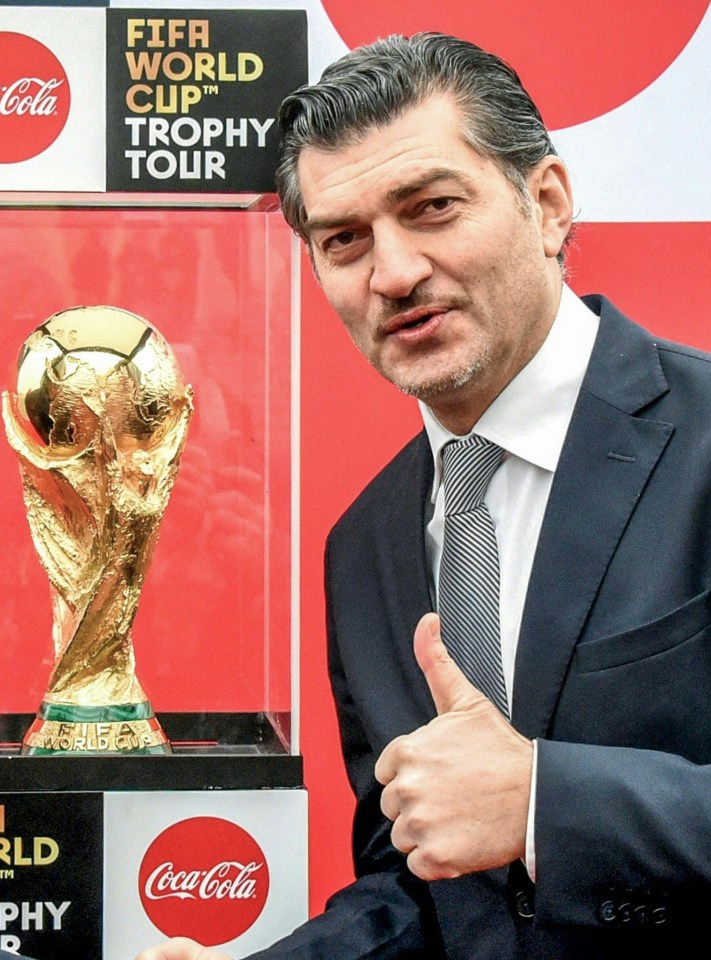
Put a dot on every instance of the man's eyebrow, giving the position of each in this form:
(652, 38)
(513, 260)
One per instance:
(396, 195)
(327, 223)
(406, 190)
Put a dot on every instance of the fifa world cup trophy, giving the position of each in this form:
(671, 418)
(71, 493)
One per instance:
(98, 422)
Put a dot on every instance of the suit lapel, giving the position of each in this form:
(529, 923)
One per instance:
(404, 539)
(607, 459)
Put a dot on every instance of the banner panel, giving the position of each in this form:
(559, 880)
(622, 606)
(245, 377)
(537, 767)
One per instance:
(52, 99)
(233, 875)
(51, 866)
(192, 98)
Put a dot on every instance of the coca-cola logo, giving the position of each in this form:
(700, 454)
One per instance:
(204, 878)
(34, 97)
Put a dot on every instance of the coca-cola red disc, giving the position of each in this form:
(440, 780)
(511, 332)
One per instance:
(204, 878)
(34, 97)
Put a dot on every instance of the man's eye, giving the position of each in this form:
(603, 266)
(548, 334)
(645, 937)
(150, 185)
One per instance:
(440, 203)
(342, 239)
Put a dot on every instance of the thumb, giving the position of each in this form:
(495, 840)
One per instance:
(450, 689)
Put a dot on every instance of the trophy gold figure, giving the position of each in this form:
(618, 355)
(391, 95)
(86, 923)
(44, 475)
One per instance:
(98, 422)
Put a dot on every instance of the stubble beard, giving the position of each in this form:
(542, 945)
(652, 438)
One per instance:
(436, 387)
(414, 384)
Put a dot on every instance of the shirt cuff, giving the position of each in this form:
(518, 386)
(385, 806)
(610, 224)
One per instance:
(530, 859)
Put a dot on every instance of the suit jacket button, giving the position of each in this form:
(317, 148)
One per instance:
(641, 914)
(523, 906)
(659, 915)
(624, 912)
(608, 911)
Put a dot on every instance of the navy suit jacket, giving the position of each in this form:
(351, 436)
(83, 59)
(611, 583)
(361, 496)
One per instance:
(613, 675)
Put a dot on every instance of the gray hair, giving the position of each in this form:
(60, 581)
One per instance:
(373, 85)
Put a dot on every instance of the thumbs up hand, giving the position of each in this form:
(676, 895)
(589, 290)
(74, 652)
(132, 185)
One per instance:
(457, 790)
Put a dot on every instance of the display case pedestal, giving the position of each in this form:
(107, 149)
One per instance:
(101, 856)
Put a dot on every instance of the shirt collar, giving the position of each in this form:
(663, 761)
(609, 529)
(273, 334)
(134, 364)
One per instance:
(529, 418)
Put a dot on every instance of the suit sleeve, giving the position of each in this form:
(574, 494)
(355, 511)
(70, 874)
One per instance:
(387, 914)
(622, 836)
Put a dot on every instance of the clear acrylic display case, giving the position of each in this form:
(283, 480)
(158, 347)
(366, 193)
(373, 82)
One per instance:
(216, 631)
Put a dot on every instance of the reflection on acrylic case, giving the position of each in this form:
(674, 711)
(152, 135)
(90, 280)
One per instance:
(212, 629)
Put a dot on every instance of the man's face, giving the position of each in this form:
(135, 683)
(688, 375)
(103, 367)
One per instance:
(442, 272)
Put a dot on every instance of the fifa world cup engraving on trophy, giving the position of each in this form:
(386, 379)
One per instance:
(98, 421)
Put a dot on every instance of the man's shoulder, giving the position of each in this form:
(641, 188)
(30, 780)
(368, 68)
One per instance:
(411, 466)
(623, 325)
(632, 367)
(682, 356)
(687, 404)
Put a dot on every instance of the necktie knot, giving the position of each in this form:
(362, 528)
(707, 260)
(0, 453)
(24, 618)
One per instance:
(467, 467)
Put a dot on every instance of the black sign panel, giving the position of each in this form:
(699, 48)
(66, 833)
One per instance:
(192, 96)
(51, 875)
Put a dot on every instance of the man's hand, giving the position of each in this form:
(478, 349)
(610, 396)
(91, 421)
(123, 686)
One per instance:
(180, 948)
(457, 790)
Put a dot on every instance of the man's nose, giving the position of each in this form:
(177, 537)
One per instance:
(399, 263)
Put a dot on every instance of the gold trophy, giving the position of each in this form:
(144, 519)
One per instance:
(99, 421)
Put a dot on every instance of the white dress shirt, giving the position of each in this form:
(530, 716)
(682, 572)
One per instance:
(528, 420)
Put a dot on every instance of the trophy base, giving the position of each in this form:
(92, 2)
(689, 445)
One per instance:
(61, 729)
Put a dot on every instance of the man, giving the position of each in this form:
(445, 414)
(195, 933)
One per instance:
(436, 211)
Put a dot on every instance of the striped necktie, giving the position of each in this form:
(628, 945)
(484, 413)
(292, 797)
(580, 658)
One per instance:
(469, 571)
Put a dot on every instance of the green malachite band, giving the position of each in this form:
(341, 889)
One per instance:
(66, 713)
(160, 749)
(63, 729)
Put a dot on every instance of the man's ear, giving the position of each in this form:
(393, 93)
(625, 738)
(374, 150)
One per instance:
(552, 199)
